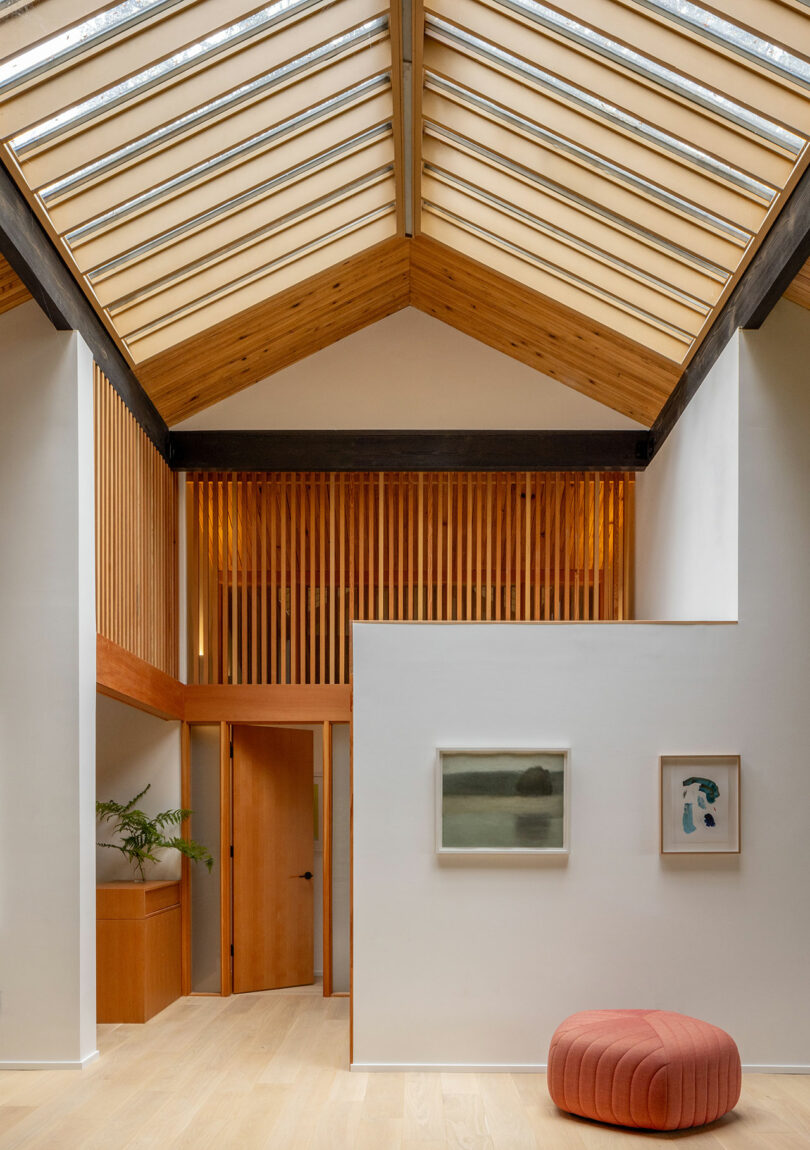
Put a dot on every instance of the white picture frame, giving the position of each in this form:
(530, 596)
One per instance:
(498, 826)
(699, 811)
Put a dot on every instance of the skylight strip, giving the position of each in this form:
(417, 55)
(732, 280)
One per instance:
(325, 53)
(607, 167)
(569, 239)
(266, 269)
(213, 164)
(229, 206)
(740, 40)
(650, 69)
(560, 273)
(602, 108)
(590, 206)
(258, 23)
(277, 225)
(58, 49)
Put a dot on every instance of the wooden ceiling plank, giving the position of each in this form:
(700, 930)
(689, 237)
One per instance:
(573, 296)
(799, 290)
(553, 339)
(270, 335)
(13, 291)
(238, 297)
(608, 235)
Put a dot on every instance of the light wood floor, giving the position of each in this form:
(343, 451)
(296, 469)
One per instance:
(268, 1070)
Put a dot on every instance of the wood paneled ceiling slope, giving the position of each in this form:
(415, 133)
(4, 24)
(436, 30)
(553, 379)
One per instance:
(580, 185)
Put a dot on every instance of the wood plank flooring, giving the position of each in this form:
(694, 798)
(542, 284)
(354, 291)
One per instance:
(269, 1071)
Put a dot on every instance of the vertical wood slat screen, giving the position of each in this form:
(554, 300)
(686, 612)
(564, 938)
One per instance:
(136, 536)
(280, 564)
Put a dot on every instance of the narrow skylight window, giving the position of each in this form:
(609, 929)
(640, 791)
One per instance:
(266, 269)
(559, 272)
(747, 43)
(325, 109)
(205, 218)
(565, 237)
(590, 206)
(226, 103)
(601, 108)
(593, 160)
(58, 49)
(644, 66)
(167, 68)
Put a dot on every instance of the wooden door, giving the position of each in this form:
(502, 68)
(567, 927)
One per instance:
(272, 852)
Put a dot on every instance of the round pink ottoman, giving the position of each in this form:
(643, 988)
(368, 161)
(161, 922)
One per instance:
(647, 1068)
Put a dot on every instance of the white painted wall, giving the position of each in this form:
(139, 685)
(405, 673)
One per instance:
(47, 695)
(407, 371)
(462, 962)
(133, 749)
(687, 507)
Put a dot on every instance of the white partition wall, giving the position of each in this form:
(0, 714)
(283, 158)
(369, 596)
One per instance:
(463, 962)
(47, 696)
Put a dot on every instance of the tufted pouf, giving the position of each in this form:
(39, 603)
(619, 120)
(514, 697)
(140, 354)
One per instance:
(647, 1068)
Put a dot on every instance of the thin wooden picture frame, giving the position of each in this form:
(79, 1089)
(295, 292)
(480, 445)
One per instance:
(522, 752)
(702, 769)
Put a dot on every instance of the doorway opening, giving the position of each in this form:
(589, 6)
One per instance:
(275, 910)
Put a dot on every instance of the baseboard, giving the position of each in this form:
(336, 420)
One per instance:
(777, 1068)
(529, 1068)
(77, 1064)
(452, 1067)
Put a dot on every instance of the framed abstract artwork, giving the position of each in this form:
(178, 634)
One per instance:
(502, 801)
(700, 804)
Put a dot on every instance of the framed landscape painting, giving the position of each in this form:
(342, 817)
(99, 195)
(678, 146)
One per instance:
(502, 801)
(700, 804)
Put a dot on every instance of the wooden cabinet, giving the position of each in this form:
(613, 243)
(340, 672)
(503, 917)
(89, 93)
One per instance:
(137, 949)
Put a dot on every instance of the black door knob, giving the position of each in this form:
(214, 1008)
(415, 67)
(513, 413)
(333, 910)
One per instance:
(307, 874)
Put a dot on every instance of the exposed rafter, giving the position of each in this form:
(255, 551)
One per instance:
(36, 261)
(777, 261)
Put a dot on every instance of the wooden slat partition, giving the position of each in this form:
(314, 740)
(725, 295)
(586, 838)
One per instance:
(280, 564)
(136, 538)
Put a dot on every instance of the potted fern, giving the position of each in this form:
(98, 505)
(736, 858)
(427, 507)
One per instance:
(141, 834)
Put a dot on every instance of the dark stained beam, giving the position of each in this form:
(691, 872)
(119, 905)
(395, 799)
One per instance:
(33, 256)
(409, 450)
(776, 263)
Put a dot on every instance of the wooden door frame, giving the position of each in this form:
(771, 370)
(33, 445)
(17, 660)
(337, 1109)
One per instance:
(226, 843)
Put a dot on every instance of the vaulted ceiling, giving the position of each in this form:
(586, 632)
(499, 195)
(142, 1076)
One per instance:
(580, 185)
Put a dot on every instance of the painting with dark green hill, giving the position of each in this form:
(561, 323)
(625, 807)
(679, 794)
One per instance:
(502, 801)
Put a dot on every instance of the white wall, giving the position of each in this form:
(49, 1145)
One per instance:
(409, 370)
(468, 963)
(687, 507)
(133, 749)
(47, 695)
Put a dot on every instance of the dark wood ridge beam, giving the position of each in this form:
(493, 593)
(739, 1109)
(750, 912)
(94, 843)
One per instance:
(776, 263)
(409, 450)
(33, 256)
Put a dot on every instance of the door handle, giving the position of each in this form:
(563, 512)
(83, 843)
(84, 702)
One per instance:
(307, 875)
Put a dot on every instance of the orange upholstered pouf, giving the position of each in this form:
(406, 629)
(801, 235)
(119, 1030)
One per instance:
(647, 1068)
